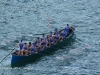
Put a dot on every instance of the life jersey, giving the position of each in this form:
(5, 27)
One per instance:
(51, 39)
(25, 48)
(63, 34)
(44, 38)
(56, 32)
(37, 41)
(50, 34)
(38, 45)
(21, 45)
(44, 43)
(57, 37)
(32, 49)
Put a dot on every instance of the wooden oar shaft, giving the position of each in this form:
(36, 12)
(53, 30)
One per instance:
(7, 55)
(40, 34)
(73, 28)
(48, 20)
(46, 33)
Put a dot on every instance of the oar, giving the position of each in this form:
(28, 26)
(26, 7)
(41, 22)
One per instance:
(46, 33)
(7, 55)
(34, 37)
(48, 21)
(48, 25)
(73, 28)
(40, 34)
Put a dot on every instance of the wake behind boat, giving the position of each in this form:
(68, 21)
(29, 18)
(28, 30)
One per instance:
(18, 60)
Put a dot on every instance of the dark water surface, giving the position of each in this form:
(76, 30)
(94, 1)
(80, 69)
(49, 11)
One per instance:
(24, 18)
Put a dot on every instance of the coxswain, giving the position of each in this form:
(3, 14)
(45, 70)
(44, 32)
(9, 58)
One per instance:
(24, 50)
(21, 44)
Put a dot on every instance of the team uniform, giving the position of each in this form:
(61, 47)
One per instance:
(50, 34)
(38, 46)
(43, 41)
(25, 47)
(57, 37)
(37, 40)
(32, 49)
(51, 40)
(67, 29)
(63, 34)
(56, 32)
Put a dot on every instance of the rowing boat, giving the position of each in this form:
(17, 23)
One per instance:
(22, 60)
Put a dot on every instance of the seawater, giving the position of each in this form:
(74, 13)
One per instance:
(21, 19)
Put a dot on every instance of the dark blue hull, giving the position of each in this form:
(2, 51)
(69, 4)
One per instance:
(22, 60)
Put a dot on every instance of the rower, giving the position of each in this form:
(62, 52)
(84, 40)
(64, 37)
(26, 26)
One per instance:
(25, 47)
(44, 44)
(44, 41)
(63, 34)
(56, 31)
(67, 29)
(43, 37)
(50, 34)
(47, 39)
(29, 46)
(37, 40)
(33, 48)
(57, 38)
(38, 46)
(24, 50)
(51, 40)
(71, 29)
